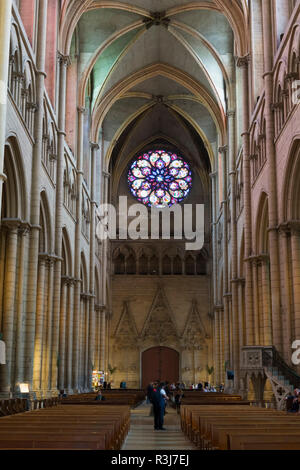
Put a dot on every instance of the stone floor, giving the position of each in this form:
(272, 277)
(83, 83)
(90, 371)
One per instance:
(142, 436)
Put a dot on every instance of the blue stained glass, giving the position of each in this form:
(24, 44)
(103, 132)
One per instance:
(160, 178)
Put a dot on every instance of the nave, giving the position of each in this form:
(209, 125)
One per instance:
(142, 436)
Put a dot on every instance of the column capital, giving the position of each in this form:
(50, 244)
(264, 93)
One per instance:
(3, 177)
(11, 223)
(243, 61)
(284, 228)
(294, 226)
(227, 294)
(106, 174)
(223, 149)
(63, 59)
(101, 307)
(24, 228)
(94, 146)
(81, 109)
(291, 76)
(231, 113)
(218, 308)
(213, 174)
(65, 280)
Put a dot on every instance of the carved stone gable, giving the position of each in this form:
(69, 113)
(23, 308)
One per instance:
(126, 334)
(159, 324)
(194, 333)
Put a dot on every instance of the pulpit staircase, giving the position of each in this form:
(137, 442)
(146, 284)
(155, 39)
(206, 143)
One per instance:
(282, 378)
(265, 362)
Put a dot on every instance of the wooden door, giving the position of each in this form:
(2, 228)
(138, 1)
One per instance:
(160, 363)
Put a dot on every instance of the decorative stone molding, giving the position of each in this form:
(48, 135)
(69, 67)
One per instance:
(94, 146)
(157, 19)
(223, 149)
(243, 61)
(11, 224)
(63, 59)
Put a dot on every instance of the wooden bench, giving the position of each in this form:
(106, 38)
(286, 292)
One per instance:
(72, 427)
(228, 427)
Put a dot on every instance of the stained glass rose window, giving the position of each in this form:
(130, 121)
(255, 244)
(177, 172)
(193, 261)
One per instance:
(160, 178)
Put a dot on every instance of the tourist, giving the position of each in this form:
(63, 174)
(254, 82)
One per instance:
(158, 400)
(99, 396)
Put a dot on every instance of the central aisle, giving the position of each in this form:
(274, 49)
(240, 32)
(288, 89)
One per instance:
(142, 435)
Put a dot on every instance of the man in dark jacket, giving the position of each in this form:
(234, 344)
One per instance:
(158, 401)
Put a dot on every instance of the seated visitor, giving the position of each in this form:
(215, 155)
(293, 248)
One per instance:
(99, 396)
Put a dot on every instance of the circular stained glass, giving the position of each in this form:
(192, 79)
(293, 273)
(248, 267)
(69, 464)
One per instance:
(160, 178)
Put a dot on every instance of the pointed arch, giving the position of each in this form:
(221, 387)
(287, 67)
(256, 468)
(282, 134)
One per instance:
(14, 188)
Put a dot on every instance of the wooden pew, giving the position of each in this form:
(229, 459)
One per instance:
(77, 427)
(228, 427)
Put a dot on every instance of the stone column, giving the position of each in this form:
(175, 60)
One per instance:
(19, 367)
(105, 243)
(9, 302)
(102, 338)
(86, 344)
(222, 360)
(62, 332)
(234, 247)
(213, 177)
(217, 347)
(272, 177)
(77, 251)
(69, 337)
(283, 13)
(255, 299)
(81, 336)
(91, 357)
(243, 63)
(285, 234)
(241, 284)
(64, 61)
(223, 151)
(40, 314)
(97, 338)
(107, 323)
(267, 320)
(295, 245)
(5, 25)
(47, 356)
(256, 48)
(35, 194)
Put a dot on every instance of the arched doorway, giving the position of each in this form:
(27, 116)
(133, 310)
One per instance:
(160, 363)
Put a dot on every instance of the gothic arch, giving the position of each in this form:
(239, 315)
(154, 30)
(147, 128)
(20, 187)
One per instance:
(46, 225)
(67, 253)
(83, 274)
(14, 189)
(291, 192)
(262, 223)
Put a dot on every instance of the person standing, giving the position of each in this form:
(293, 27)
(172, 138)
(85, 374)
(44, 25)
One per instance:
(149, 392)
(158, 400)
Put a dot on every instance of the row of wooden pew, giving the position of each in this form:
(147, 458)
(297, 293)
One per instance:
(239, 426)
(20, 405)
(194, 397)
(66, 427)
(12, 406)
(112, 397)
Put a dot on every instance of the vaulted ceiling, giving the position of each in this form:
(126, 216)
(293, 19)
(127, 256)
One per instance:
(144, 56)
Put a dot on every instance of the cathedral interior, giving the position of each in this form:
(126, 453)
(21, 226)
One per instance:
(163, 103)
